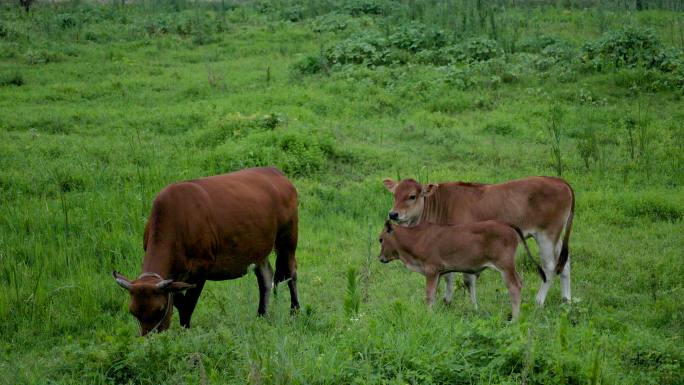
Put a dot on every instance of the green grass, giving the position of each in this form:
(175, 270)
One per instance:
(101, 106)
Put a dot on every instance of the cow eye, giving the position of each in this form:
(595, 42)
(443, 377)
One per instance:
(380, 240)
(412, 197)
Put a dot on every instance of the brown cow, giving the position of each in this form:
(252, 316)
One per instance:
(214, 228)
(540, 206)
(433, 250)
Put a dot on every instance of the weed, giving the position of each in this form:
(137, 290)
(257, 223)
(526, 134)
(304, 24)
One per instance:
(554, 128)
(12, 79)
(352, 299)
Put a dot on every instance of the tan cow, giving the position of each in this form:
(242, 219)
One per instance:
(214, 228)
(433, 250)
(542, 207)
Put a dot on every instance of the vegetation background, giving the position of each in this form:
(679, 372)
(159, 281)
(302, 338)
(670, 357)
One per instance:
(104, 103)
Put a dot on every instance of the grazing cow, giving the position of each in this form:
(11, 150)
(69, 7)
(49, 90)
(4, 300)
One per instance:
(433, 250)
(540, 206)
(214, 228)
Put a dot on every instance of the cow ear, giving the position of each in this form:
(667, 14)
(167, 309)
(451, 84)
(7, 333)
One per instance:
(175, 287)
(429, 189)
(122, 281)
(390, 184)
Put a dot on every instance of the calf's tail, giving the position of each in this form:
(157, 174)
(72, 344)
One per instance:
(563, 258)
(529, 254)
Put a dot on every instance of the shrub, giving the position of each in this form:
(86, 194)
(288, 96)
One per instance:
(416, 37)
(331, 22)
(296, 154)
(310, 65)
(12, 79)
(294, 13)
(366, 7)
(479, 49)
(369, 49)
(460, 78)
(537, 44)
(629, 47)
(66, 20)
(654, 208)
(236, 126)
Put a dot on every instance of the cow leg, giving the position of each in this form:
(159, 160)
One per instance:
(565, 281)
(294, 299)
(449, 291)
(187, 302)
(469, 280)
(548, 263)
(431, 287)
(286, 263)
(264, 275)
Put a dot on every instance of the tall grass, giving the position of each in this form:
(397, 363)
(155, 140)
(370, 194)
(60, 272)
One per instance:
(104, 104)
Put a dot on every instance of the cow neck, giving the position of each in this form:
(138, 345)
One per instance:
(435, 209)
(158, 266)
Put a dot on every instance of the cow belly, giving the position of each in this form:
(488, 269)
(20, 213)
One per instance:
(231, 266)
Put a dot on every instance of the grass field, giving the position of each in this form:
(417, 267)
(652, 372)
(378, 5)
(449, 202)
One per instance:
(101, 105)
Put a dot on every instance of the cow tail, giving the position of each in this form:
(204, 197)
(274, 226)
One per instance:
(529, 254)
(563, 258)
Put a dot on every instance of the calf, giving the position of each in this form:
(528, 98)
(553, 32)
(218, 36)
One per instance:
(433, 250)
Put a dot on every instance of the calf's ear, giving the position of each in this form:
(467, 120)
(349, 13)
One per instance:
(429, 189)
(390, 184)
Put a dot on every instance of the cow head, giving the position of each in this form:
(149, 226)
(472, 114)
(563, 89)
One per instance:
(151, 299)
(409, 200)
(388, 244)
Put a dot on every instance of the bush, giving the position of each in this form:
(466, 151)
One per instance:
(479, 49)
(294, 13)
(416, 37)
(310, 65)
(12, 79)
(369, 49)
(537, 44)
(366, 7)
(236, 126)
(296, 154)
(629, 47)
(331, 22)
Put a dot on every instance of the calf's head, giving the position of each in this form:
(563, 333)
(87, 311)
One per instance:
(409, 200)
(151, 299)
(388, 244)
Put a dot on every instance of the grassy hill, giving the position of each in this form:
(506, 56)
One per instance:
(101, 105)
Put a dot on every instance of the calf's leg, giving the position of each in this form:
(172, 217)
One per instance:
(469, 280)
(449, 291)
(431, 287)
(513, 283)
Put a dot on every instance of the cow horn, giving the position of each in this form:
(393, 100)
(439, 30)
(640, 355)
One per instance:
(122, 281)
(164, 284)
